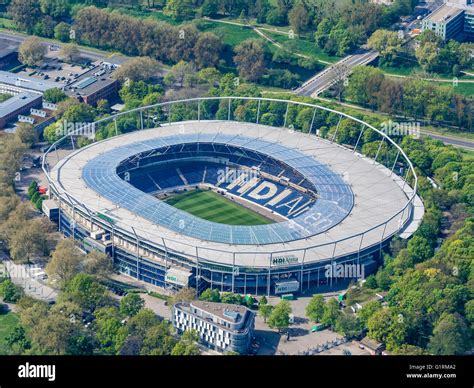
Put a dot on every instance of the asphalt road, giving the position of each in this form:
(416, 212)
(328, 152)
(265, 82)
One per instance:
(463, 143)
(323, 80)
(93, 55)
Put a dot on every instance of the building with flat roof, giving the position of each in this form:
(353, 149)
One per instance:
(221, 326)
(94, 85)
(19, 104)
(8, 52)
(27, 94)
(14, 84)
(447, 22)
(452, 20)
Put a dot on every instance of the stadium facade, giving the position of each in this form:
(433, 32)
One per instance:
(329, 204)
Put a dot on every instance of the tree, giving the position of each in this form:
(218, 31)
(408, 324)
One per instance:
(371, 282)
(260, 10)
(62, 32)
(450, 336)
(387, 43)
(299, 18)
(211, 295)
(52, 133)
(409, 350)
(179, 9)
(98, 264)
(10, 292)
(69, 53)
(427, 55)
(265, 310)
(420, 249)
(25, 14)
(341, 72)
(65, 262)
(207, 50)
(249, 59)
(158, 341)
(280, 316)
(315, 308)
(17, 340)
(388, 327)
(142, 322)
(187, 346)
(85, 291)
(55, 8)
(26, 133)
(348, 325)
(54, 95)
(185, 295)
(367, 310)
(79, 113)
(31, 51)
(178, 74)
(103, 106)
(364, 85)
(210, 8)
(109, 331)
(30, 239)
(331, 313)
(138, 69)
(131, 304)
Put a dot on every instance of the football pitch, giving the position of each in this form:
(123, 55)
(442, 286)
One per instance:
(216, 208)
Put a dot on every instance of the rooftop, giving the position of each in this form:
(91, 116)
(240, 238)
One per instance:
(117, 59)
(371, 343)
(379, 195)
(7, 47)
(231, 313)
(16, 102)
(91, 81)
(443, 14)
(26, 82)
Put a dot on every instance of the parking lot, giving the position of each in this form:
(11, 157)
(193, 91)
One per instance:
(301, 340)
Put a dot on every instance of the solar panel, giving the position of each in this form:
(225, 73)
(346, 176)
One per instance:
(86, 82)
(333, 204)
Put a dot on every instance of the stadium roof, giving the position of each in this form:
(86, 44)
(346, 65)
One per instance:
(379, 196)
(334, 202)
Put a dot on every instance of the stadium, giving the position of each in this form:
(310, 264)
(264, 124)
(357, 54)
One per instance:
(206, 193)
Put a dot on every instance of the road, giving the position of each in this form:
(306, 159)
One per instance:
(446, 139)
(15, 37)
(323, 80)
(462, 143)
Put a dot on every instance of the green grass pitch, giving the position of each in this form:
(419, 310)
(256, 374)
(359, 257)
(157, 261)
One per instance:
(216, 208)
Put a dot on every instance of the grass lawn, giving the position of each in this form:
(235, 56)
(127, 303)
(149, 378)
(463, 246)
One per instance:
(7, 322)
(229, 33)
(359, 295)
(148, 14)
(303, 46)
(216, 208)
(466, 89)
(7, 23)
